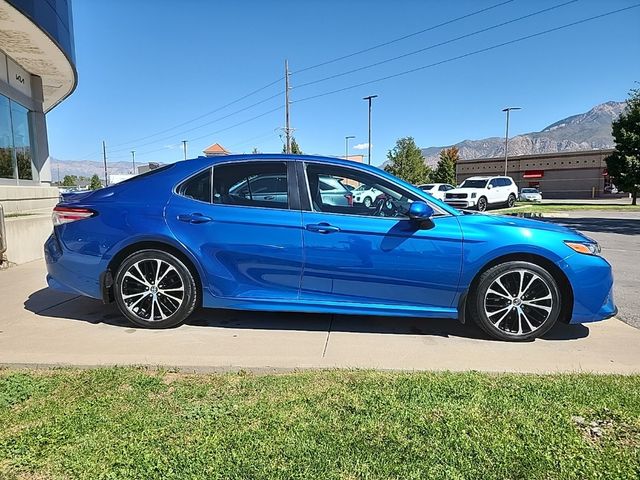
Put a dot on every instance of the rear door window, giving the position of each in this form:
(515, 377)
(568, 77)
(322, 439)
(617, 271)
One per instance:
(251, 184)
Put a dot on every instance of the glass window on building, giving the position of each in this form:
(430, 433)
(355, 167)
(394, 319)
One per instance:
(7, 165)
(21, 140)
(15, 141)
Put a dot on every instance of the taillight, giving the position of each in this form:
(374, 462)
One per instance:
(349, 198)
(62, 215)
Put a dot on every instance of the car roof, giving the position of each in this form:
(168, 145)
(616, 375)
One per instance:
(486, 177)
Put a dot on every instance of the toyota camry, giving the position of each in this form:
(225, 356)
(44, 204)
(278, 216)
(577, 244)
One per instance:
(274, 232)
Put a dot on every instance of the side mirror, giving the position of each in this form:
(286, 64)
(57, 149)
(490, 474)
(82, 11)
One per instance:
(420, 211)
(489, 187)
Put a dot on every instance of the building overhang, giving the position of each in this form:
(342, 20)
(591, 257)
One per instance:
(35, 51)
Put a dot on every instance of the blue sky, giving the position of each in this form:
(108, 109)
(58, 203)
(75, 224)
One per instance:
(149, 66)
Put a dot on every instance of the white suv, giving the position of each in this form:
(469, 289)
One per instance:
(481, 192)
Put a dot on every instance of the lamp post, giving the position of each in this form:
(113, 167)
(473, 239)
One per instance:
(133, 160)
(184, 148)
(369, 98)
(346, 146)
(506, 137)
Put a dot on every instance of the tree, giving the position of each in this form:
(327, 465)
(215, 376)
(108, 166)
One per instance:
(445, 171)
(95, 182)
(255, 150)
(623, 165)
(69, 181)
(295, 148)
(406, 162)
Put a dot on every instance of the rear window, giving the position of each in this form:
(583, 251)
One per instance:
(149, 173)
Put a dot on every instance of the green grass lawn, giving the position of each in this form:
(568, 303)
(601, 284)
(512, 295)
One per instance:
(528, 207)
(136, 424)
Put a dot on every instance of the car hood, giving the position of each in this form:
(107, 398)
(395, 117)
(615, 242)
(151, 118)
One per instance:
(519, 222)
(463, 190)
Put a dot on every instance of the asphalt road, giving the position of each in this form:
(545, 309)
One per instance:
(619, 235)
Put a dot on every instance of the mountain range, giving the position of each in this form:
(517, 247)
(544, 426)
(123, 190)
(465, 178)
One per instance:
(586, 131)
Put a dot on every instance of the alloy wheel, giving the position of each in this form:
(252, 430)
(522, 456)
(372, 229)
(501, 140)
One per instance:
(518, 302)
(367, 202)
(512, 201)
(482, 204)
(152, 290)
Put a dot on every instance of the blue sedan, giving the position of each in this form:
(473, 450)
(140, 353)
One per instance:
(282, 233)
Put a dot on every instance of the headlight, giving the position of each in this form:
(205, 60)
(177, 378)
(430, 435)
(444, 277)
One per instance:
(588, 248)
(473, 194)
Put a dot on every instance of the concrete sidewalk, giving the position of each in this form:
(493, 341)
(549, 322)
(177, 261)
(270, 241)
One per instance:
(41, 327)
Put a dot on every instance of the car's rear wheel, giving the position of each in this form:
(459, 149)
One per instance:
(482, 204)
(511, 201)
(155, 289)
(515, 301)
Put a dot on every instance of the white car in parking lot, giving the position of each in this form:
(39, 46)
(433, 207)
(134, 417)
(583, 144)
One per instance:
(481, 192)
(530, 195)
(365, 194)
(437, 190)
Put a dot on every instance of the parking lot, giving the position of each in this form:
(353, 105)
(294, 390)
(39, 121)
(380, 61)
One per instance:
(42, 327)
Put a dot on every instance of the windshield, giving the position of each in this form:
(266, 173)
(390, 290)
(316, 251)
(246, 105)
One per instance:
(529, 190)
(473, 184)
(426, 187)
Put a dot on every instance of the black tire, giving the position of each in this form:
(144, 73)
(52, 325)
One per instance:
(511, 201)
(367, 201)
(482, 204)
(528, 314)
(175, 295)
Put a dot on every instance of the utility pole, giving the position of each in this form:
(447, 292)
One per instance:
(133, 159)
(59, 174)
(104, 158)
(184, 147)
(369, 98)
(506, 137)
(346, 146)
(287, 125)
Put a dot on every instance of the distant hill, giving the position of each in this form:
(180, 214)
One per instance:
(86, 168)
(585, 131)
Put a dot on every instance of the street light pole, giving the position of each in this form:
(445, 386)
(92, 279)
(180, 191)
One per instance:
(184, 147)
(506, 137)
(369, 98)
(133, 159)
(346, 146)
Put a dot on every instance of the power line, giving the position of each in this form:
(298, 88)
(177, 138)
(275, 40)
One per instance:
(237, 100)
(469, 54)
(215, 120)
(448, 22)
(341, 74)
(280, 107)
(368, 49)
(435, 45)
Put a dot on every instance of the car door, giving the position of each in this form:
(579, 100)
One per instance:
(354, 254)
(249, 246)
(494, 193)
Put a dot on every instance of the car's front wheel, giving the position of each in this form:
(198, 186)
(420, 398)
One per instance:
(515, 301)
(482, 204)
(367, 202)
(155, 289)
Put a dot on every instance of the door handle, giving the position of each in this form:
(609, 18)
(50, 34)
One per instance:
(322, 228)
(194, 218)
(269, 197)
